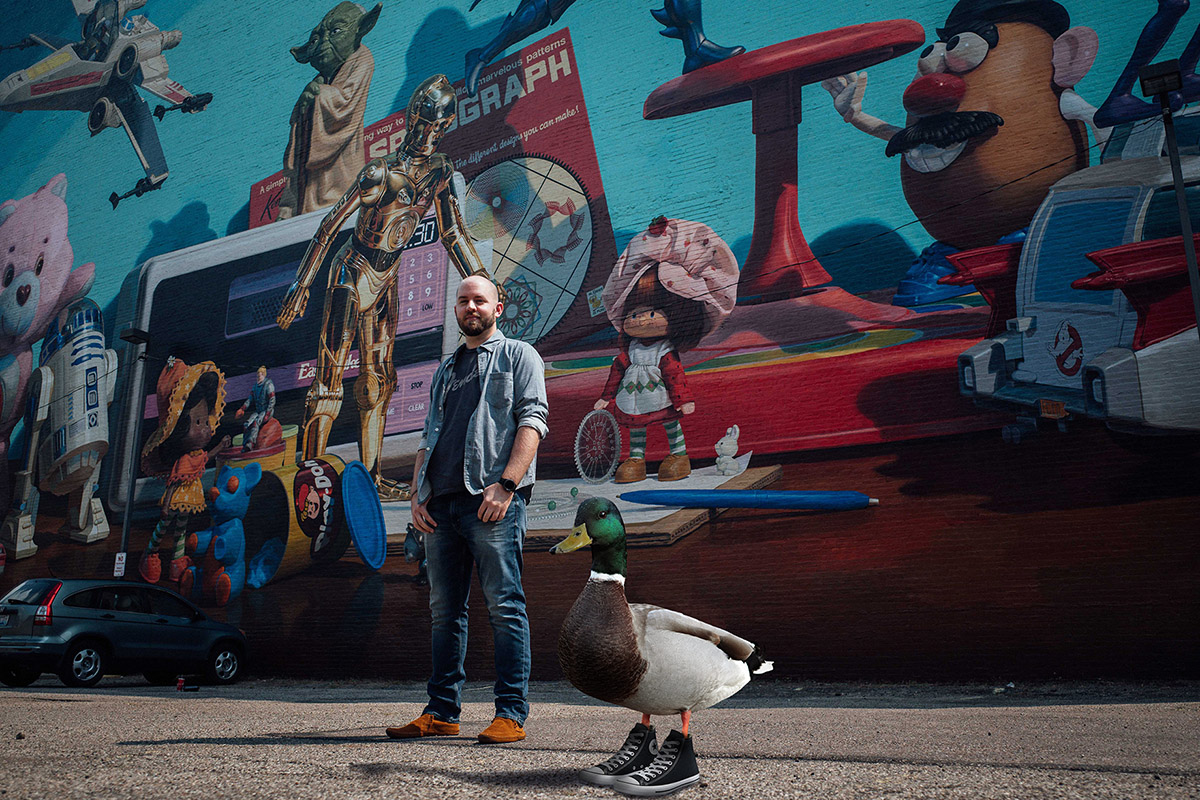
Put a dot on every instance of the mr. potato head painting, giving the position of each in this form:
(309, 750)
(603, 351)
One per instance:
(993, 120)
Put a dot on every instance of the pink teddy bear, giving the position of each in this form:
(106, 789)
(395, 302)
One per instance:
(36, 283)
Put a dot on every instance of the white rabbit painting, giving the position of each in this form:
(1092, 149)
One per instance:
(727, 447)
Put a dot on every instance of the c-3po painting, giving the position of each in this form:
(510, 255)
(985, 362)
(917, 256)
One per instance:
(391, 196)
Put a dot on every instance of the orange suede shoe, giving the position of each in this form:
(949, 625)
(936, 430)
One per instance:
(501, 731)
(424, 725)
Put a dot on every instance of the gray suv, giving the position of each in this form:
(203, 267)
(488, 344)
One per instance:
(83, 629)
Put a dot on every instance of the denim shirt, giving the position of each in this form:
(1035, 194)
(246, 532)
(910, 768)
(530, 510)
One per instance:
(513, 384)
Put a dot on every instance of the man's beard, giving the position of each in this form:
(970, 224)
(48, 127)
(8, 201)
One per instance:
(475, 325)
(944, 130)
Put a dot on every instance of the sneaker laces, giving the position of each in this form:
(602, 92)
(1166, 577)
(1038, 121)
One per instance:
(633, 743)
(661, 763)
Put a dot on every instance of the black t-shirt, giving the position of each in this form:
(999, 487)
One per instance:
(445, 470)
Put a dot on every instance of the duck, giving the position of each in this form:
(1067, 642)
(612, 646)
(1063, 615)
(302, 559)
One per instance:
(645, 658)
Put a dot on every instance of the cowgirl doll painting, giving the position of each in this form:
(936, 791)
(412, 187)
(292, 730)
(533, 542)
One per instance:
(675, 283)
(190, 403)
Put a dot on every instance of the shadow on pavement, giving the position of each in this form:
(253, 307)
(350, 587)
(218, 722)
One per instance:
(758, 694)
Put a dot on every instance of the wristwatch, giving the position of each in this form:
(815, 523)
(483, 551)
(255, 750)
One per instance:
(507, 485)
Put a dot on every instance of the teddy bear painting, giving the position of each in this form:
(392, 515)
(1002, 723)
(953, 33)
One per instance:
(36, 283)
(219, 552)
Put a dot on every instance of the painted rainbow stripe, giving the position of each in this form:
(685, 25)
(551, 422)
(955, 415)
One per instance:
(834, 347)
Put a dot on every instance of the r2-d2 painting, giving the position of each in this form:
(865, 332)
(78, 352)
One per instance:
(67, 417)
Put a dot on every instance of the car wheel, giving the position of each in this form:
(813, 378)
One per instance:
(224, 663)
(18, 676)
(83, 665)
(158, 678)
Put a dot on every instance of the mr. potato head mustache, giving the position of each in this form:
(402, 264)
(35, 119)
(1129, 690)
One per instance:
(944, 130)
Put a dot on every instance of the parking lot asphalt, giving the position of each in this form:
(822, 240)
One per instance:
(300, 739)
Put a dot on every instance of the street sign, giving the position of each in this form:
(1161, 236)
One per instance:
(119, 566)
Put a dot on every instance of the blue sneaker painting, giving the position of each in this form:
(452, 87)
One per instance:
(920, 286)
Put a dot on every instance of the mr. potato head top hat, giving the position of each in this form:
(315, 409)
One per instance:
(967, 15)
(175, 384)
(693, 263)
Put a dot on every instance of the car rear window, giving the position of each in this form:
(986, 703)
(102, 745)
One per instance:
(31, 593)
(1073, 229)
(88, 598)
(1162, 217)
(122, 598)
(168, 605)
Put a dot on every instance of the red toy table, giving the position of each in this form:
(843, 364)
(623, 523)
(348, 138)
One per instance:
(780, 263)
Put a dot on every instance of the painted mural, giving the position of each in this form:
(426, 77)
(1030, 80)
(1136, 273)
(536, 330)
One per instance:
(733, 290)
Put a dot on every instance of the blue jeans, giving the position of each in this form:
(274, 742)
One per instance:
(460, 540)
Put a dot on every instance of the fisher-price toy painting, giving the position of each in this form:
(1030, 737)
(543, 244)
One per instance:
(852, 397)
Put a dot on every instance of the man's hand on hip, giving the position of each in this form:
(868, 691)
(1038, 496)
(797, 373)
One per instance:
(495, 503)
(420, 515)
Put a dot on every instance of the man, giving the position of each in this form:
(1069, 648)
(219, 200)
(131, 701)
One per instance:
(474, 474)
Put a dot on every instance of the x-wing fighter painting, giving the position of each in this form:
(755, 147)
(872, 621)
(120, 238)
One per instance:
(99, 74)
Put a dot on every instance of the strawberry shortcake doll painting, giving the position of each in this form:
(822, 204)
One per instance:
(674, 284)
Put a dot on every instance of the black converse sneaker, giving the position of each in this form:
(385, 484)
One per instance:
(640, 748)
(671, 770)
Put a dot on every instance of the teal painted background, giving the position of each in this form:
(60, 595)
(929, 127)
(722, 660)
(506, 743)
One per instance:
(698, 166)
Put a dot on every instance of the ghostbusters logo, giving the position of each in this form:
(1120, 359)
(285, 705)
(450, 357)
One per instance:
(1067, 349)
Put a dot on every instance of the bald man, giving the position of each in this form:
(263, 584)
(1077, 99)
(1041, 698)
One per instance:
(474, 475)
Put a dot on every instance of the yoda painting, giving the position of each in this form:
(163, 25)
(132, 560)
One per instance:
(325, 148)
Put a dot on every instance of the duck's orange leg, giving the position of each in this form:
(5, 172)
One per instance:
(686, 716)
(646, 720)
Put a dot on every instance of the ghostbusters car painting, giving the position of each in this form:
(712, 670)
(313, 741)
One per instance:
(1092, 315)
(99, 73)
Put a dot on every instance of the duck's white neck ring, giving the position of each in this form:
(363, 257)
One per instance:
(607, 576)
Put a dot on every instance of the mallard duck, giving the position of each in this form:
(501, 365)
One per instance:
(642, 657)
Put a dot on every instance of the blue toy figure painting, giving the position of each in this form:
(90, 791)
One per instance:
(220, 550)
(680, 20)
(1121, 105)
(258, 408)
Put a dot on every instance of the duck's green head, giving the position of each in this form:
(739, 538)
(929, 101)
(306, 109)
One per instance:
(598, 523)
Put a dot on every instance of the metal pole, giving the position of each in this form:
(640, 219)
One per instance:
(137, 390)
(1185, 222)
